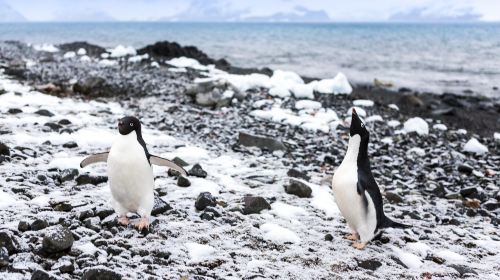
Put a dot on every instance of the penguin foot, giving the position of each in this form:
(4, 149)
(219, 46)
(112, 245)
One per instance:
(359, 245)
(123, 220)
(142, 224)
(352, 237)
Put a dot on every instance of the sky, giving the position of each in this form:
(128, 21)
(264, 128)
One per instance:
(239, 10)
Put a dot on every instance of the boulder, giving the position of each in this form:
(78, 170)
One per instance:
(268, 143)
(254, 205)
(57, 238)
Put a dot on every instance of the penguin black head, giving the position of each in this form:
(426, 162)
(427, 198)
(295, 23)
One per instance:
(129, 124)
(357, 126)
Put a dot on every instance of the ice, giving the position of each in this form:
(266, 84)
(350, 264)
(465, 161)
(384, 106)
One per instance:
(108, 62)
(417, 151)
(440, 126)
(302, 91)
(496, 136)
(185, 62)
(280, 92)
(287, 211)
(245, 82)
(316, 120)
(138, 58)
(361, 112)
(394, 107)
(307, 104)
(81, 51)
(417, 125)
(374, 118)
(70, 54)
(6, 200)
(45, 48)
(104, 55)
(262, 103)
(337, 85)
(121, 50)
(155, 64)
(363, 103)
(393, 123)
(473, 146)
(461, 131)
(278, 234)
(412, 261)
(85, 58)
(285, 79)
(199, 252)
(450, 256)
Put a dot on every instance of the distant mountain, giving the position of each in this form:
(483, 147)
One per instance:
(299, 14)
(424, 15)
(8, 14)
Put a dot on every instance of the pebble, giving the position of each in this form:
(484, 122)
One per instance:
(160, 207)
(254, 204)
(14, 111)
(57, 238)
(298, 174)
(183, 182)
(197, 171)
(93, 180)
(369, 264)
(393, 197)
(45, 113)
(70, 145)
(204, 200)
(298, 188)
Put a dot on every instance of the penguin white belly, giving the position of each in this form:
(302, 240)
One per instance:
(350, 203)
(130, 176)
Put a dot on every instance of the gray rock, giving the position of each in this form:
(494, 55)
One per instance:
(249, 140)
(70, 145)
(160, 207)
(39, 224)
(254, 204)
(369, 264)
(204, 200)
(57, 238)
(69, 174)
(298, 174)
(463, 270)
(23, 226)
(14, 111)
(88, 179)
(8, 241)
(465, 168)
(197, 171)
(179, 161)
(4, 257)
(393, 197)
(40, 274)
(298, 188)
(4, 149)
(100, 273)
(45, 113)
(183, 182)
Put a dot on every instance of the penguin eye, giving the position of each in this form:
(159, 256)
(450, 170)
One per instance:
(131, 124)
(362, 125)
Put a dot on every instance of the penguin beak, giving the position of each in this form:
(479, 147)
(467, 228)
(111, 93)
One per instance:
(354, 112)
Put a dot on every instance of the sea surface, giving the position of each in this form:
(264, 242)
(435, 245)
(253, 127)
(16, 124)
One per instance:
(439, 58)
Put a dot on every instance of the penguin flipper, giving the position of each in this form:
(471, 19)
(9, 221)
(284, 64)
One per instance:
(388, 223)
(156, 160)
(102, 157)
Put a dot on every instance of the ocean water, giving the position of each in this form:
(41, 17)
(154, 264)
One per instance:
(428, 57)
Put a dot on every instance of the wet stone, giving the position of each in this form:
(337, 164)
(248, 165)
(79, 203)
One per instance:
(464, 168)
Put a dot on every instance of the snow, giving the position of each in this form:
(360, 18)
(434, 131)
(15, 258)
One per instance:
(462, 131)
(374, 118)
(440, 126)
(85, 58)
(81, 51)
(108, 62)
(360, 111)
(417, 151)
(45, 48)
(419, 248)
(199, 252)
(307, 104)
(322, 199)
(70, 54)
(138, 58)
(6, 200)
(417, 125)
(450, 256)
(363, 103)
(387, 140)
(337, 85)
(190, 154)
(104, 55)
(121, 50)
(280, 92)
(315, 121)
(245, 82)
(185, 62)
(86, 247)
(278, 234)
(412, 261)
(473, 146)
(393, 123)
(394, 107)
(155, 64)
(302, 91)
(287, 211)
(285, 78)
(496, 136)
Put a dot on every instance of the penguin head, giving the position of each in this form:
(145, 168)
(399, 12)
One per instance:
(357, 126)
(129, 124)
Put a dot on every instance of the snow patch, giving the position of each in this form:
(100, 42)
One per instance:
(473, 146)
(199, 252)
(417, 125)
(121, 50)
(278, 234)
(363, 103)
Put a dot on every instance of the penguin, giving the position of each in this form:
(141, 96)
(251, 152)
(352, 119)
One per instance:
(130, 172)
(355, 191)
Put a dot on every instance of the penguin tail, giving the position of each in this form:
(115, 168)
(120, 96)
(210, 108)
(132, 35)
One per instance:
(388, 223)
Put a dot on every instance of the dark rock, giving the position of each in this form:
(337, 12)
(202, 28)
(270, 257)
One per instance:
(160, 207)
(64, 122)
(69, 174)
(410, 101)
(94, 86)
(207, 216)
(40, 274)
(94, 180)
(298, 188)
(204, 200)
(369, 264)
(491, 206)
(44, 112)
(298, 174)
(328, 237)
(92, 50)
(8, 241)
(254, 204)
(4, 257)
(467, 192)
(100, 273)
(438, 260)
(23, 226)
(103, 212)
(463, 270)
(166, 49)
(4, 149)
(464, 168)
(198, 171)
(114, 250)
(249, 140)
(14, 111)
(57, 238)
(180, 162)
(183, 182)
(39, 224)
(173, 173)
(70, 145)
(63, 207)
(448, 111)
(53, 126)
(393, 197)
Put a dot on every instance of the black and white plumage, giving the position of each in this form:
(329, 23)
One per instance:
(130, 172)
(356, 193)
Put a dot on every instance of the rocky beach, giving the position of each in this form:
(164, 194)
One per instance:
(260, 145)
